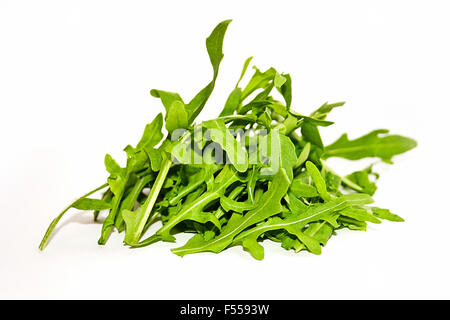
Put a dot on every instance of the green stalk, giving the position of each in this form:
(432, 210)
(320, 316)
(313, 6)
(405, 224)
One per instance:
(55, 221)
(130, 200)
(152, 197)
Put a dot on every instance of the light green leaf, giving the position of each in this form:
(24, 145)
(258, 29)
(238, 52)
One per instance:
(359, 214)
(324, 109)
(194, 210)
(177, 117)
(232, 103)
(374, 144)
(244, 69)
(267, 206)
(386, 214)
(280, 152)
(214, 45)
(235, 150)
(319, 182)
(91, 204)
(152, 134)
(303, 190)
(295, 223)
(259, 80)
(303, 156)
(310, 133)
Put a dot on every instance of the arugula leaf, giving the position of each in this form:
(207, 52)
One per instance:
(135, 220)
(235, 150)
(310, 133)
(279, 150)
(55, 221)
(385, 214)
(214, 45)
(244, 69)
(359, 214)
(286, 90)
(319, 181)
(177, 117)
(362, 179)
(194, 210)
(303, 156)
(324, 109)
(117, 181)
(259, 80)
(232, 103)
(374, 144)
(152, 134)
(91, 204)
(130, 200)
(352, 224)
(294, 225)
(267, 206)
(301, 190)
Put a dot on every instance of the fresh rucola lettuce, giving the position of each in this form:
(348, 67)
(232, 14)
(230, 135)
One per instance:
(256, 172)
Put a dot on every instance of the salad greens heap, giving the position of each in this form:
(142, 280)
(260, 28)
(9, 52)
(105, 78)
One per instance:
(274, 183)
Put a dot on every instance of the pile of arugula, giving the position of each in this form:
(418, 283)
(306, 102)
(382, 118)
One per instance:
(274, 184)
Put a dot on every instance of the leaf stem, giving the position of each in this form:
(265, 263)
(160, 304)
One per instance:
(153, 195)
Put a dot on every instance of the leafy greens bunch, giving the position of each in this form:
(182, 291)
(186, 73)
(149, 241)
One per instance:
(274, 185)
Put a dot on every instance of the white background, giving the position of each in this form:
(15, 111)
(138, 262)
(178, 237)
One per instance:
(74, 84)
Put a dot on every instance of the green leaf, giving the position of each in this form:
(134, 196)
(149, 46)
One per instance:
(244, 69)
(117, 181)
(352, 224)
(55, 221)
(155, 158)
(130, 200)
(91, 204)
(301, 190)
(267, 206)
(374, 144)
(236, 206)
(321, 231)
(359, 214)
(278, 80)
(194, 181)
(177, 117)
(259, 80)
(167, 98)
(234, 149)
(214, 45)
(194, 210)
(310, 133)
(361, 178)
(303, 156)
(136, 220)
(323, 111)
(152, 134)
(280, 152)
(319, 182)
(310, 120)
(295, 205)
(286, 90)
(294, 225)
(386, 214)
(232, 103)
